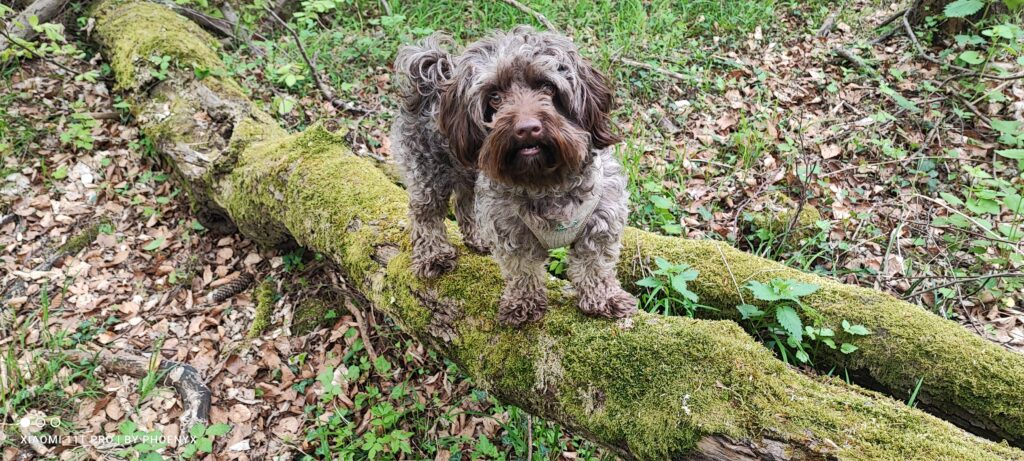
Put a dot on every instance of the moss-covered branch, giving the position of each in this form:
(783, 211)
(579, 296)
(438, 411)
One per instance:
(653, 388)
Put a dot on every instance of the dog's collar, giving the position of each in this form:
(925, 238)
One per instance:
(555, 234)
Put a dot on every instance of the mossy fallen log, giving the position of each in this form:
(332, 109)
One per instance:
(964, 379)
(652, 388)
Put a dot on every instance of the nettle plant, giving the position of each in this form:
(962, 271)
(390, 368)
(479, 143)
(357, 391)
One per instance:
(793, 328)
(667, 292)
(994, 39)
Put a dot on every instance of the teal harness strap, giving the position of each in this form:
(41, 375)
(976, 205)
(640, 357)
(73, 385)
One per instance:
(560, 234)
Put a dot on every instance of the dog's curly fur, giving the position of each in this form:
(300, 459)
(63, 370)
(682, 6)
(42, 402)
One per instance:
(516, 128)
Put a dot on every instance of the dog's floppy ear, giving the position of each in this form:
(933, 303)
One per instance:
(455, 118)
(596, 104)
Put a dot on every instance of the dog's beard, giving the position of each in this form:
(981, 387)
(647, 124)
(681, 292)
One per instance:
(546, 162)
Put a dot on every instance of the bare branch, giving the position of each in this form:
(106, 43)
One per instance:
(536, 15)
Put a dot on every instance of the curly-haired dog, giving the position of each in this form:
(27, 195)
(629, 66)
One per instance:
(517, 128)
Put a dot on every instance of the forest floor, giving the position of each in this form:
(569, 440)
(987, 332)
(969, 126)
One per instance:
(738, 111)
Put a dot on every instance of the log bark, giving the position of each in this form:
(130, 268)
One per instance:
(652, 388)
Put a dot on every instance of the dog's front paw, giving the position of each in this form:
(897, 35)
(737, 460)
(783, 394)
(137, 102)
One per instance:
(615, 304)
(517, 309)
(477, 244)
(429, 265)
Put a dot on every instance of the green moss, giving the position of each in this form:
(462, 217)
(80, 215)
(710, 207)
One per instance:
(666, 383)
(313, 313)
(413, 315)
(778, 215)
(250, 130)
(83, 238)
(960, 371)
(132, 32)
(264, 296)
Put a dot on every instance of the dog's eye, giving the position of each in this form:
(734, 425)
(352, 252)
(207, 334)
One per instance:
(495, 99)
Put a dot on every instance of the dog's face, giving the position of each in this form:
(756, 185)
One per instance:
(525, 108)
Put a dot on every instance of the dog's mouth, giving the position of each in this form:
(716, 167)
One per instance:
(529, 151)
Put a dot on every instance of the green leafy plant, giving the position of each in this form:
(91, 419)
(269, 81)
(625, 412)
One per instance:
(963, 8)
(283, 105)
(161, 66)
(657, 208)
(202, 438)
(792, 327)
(557, 262)
(78, 132)
(145, 445)
(293, 260)
(288, 75)
(667, 291)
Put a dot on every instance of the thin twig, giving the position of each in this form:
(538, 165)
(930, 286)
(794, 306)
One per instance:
(891, 32)
(954, 277)
(221, 27)
(653, 68)
(361, 326)
(325, 90)
(966, 231)
(888, 162)
(891, 19)
(733, 277)
(387, 7)
(529, 437)
(885, 36)
(960, 280)
(998, 89)
(853, 58)
(803, 189)
(974, 109)
(539, 17)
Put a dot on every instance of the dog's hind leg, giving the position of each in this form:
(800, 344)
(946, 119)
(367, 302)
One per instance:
(465, 214)
(432, 253)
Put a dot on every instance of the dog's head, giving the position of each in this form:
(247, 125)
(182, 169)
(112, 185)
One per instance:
(525, 108)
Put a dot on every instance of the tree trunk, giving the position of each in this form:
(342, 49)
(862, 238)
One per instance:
(650, 388)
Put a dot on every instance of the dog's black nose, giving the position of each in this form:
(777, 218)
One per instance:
(529, 129)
